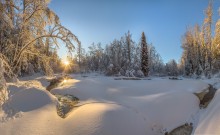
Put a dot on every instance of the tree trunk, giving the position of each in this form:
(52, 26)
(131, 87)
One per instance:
(3, 90)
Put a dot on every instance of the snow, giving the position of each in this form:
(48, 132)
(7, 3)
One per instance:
(210, 119)
(28, 99)
(107, 106)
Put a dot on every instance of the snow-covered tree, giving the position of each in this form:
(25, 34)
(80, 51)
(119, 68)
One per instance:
(79, 61)
(156, 65)
(128, 46)
(3, 90)
(171, 68)
(123, 57)
(201, 51)
(114, 54)
(216, 48)
(207, 28)
(29, 32)
(95, 57)
(144, 55)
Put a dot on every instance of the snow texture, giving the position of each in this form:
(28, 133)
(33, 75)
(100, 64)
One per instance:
(106, 107)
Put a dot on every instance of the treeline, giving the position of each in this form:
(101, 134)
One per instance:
(201, 50)
(201, 54)
(123, 57)
(30, 34)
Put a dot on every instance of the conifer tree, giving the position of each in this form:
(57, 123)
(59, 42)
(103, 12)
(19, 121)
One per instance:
(144, 55)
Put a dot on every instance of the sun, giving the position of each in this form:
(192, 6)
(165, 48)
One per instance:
(66, 63)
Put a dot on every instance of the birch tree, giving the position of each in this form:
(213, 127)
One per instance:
(216, 48)
(27, 26)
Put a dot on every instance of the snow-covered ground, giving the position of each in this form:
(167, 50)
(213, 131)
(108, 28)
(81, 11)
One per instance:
(108, 107)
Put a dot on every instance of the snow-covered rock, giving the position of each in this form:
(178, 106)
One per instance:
(106, 107)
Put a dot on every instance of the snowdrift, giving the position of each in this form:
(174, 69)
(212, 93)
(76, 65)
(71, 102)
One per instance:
(30, 99)
(107, 107)
(210, 119)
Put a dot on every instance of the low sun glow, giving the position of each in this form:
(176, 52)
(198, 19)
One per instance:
(66, 63)
(64, 81)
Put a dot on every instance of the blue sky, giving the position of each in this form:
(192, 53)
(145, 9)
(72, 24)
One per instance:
(163, 21)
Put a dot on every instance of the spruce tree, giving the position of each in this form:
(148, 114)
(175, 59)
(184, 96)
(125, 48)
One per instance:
(144, 55)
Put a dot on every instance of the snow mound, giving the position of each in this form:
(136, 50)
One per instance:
(30, 99)
(106, 119)
(20, 85)
(210, 119)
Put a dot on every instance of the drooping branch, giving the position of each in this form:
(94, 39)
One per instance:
(61, 33)
(25, 26)
(32, 14)
(7, 67)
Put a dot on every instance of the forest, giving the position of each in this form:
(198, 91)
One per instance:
(31, 35)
